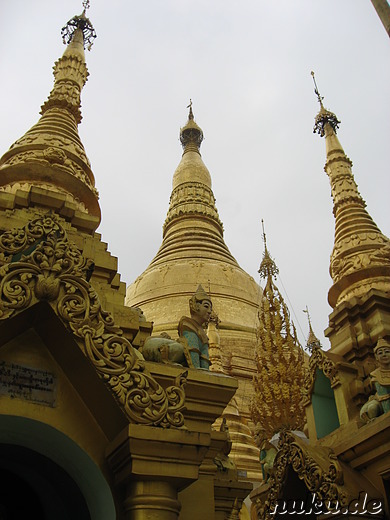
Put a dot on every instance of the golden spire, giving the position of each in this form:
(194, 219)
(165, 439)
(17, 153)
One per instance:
(51, 154)
(360, 259)
(268, 269)
(192, 226)
(191, 135)
(235, 512)
(312, 340)
(279, 377)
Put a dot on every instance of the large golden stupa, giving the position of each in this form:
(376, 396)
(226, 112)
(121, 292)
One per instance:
(193, 251)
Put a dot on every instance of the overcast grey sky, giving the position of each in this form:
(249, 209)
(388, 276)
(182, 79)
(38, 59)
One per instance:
(246, 65)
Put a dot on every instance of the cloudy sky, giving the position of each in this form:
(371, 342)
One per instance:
(246, 65)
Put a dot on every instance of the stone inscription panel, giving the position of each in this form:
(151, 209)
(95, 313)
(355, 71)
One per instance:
(30, 384)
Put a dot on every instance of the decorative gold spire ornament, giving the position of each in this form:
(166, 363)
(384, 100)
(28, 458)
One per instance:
(324, 116)
(235, 512)
(277, 403)
(80, 22)
(50, 154)
(215, 351)
(192, 203)
(312, 340)
(191, 134)
(360, 260)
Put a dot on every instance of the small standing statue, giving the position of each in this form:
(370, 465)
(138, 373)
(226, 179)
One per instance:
(379, 403)
(267, 453)
(191, 328)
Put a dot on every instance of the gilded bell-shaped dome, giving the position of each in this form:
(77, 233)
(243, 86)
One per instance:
(193, 252)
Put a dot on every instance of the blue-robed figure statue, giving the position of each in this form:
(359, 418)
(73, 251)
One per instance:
(192, 329)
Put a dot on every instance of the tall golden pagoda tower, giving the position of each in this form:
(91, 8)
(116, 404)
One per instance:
(50, 156)
(360, 260)
(193, 251)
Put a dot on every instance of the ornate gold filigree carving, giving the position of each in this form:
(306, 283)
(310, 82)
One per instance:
(38, 263)
(70, 73)
(342, 265)
(320, 360)
(326, 482)
(277, 402)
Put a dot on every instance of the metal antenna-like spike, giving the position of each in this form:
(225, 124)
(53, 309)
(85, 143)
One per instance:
(264, 235)
(324, 116)
(308, 314)
(319, 97)
(190, 115)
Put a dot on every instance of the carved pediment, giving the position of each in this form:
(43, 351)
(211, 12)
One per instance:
(320, 472)
(319, 360)
(39, 263)
(329, 483)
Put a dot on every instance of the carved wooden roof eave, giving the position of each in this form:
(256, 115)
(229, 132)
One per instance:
(39, 264)
(319, 469)
(323, 361)
(332, 365)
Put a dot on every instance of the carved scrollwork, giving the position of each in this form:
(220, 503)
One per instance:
(325, 482)
(38, 263)
(18, 240)
(320, 360)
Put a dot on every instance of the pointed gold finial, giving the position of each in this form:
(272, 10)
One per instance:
(191, 135)
(268, 269)
(312, 340)
(235, 512)
(324, 116)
